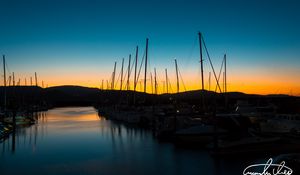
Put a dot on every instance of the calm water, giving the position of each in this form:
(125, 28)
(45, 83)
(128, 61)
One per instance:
(78, 141)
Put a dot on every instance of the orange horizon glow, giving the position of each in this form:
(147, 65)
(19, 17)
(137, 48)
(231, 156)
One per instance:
(237, 86)
(251, 83)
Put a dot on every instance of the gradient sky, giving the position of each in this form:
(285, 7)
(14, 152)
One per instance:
(77, 41)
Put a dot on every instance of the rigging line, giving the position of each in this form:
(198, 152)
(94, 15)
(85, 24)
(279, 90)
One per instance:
(182, 80)
(143, 58)
(149, 64)
(124, 76)
(110, 80)
(151, 82)
(220, 73)
(126, 73)
(211, 64)
(170, 86)
(7, 69)
(131, 68)
(137, 78)
(191, 51)
(7, 72)
(116, 85)
(7, 81)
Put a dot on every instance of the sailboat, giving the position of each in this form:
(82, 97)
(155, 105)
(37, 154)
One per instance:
(281, 123)
(203, 133)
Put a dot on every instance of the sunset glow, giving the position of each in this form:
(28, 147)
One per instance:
(71, 48)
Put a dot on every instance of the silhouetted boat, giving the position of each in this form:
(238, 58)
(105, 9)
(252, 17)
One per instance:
(281, 123)
(245, 145)
(5, 130)
(200, 134)
(19, 120)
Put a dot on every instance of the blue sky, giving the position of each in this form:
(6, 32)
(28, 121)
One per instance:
(64, 37)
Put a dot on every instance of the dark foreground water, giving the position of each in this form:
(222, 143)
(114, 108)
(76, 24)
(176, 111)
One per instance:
(77, 141)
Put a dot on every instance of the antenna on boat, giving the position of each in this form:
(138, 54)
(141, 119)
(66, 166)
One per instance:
(146, 60)
(122, 74)
(128, 74)
(176, 67)
(167, 85)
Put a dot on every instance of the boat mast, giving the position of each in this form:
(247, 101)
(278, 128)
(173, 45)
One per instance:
(36, 81)
(30, 81)
(9, 80)
(201, 60)
(135, 67)
(177, 76)
(122, 74)
(14, 79)
(128, 74)
(113, 77)
(201, 63)
(4, 70)
(155, 81)
(225, 81)
(146, 60)
(167, 86)
(225, 74)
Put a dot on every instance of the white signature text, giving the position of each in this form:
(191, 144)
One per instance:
(268, 169)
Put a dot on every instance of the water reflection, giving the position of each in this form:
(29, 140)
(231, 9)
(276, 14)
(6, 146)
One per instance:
(78, 141)
(27, 135)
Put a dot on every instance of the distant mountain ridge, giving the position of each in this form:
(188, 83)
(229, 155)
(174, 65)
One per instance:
(69, 95)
